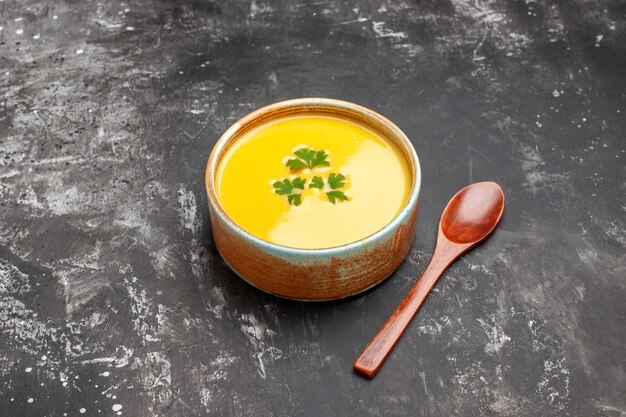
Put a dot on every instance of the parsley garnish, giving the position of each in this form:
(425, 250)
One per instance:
(336, 180)
(295, 199)
(298, 183)
(336, 195)
(286, 187)
(316, 182)
(307, 158)
(310, 158)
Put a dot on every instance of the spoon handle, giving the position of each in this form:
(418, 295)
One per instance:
(375, 353)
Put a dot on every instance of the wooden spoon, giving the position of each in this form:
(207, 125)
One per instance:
(468, 219)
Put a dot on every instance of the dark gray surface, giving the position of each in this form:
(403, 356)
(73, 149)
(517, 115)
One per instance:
(112, 291)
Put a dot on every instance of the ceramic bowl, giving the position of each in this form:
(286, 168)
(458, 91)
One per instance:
(315, 274)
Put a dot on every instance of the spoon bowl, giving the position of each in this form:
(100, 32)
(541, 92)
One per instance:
(473, 213)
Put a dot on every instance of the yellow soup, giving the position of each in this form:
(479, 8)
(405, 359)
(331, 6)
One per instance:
(312, 181)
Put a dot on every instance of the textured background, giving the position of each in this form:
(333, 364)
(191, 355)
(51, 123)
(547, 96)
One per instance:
(113, 298)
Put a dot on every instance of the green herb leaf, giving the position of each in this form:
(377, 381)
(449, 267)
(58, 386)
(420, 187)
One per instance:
(320, 159)
(295, 199)
(306, 155)
(336, 195)
(316, 182)
(294, 164)
(307, 158)
(283, 187)
(336, 180)
(298, 183)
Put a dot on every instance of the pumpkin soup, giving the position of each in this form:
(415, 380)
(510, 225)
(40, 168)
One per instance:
(312, 181)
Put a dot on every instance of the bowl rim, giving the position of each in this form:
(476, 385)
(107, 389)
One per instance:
(274, 110)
